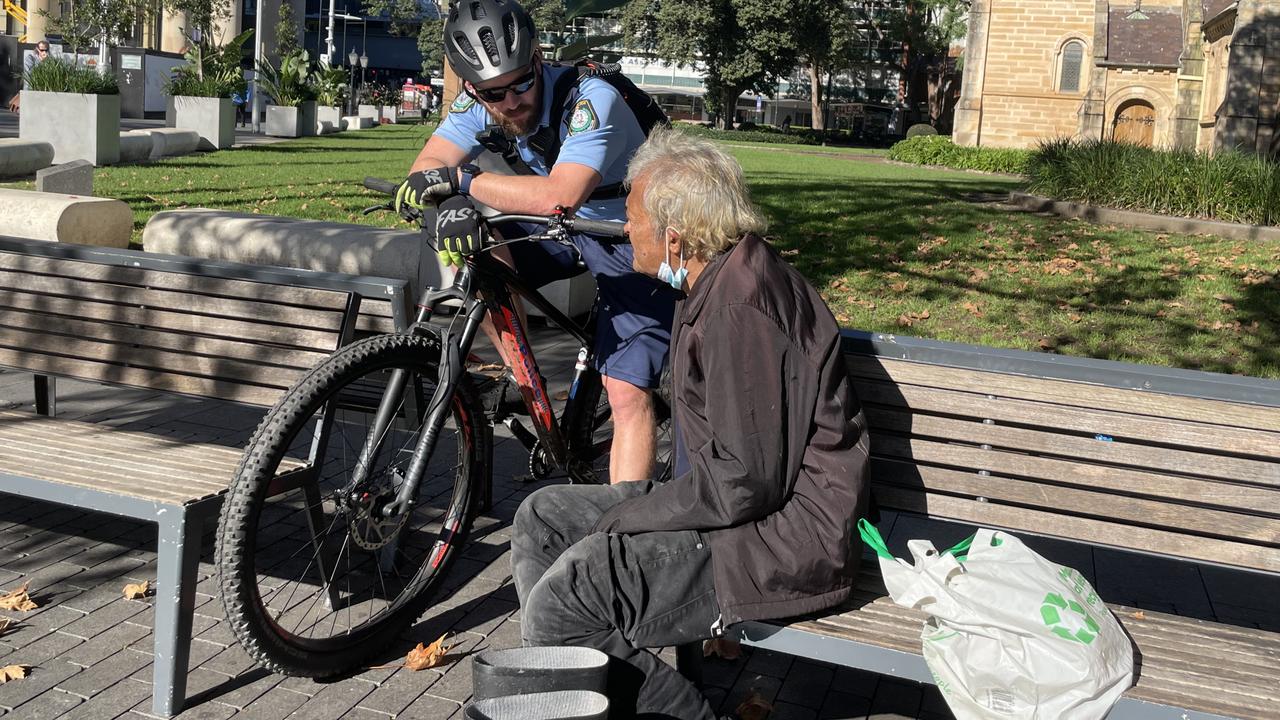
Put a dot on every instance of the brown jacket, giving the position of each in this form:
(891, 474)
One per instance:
(776, 439)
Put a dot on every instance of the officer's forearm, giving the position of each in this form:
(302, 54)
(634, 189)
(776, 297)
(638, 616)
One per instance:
(569, 185)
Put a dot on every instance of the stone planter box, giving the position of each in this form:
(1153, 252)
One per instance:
(369, 111)
(291, 122)
(330, 117)
(213, 119)
(389, 114)
(79, 127)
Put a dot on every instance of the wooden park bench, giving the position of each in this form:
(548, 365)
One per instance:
(1177, 464)
(192, 327)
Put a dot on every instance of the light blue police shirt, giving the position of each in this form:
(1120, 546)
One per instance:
(599, 131)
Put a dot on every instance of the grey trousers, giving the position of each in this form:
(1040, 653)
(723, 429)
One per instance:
(617, 593)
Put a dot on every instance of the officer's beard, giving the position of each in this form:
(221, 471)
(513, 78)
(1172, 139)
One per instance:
(524, 119)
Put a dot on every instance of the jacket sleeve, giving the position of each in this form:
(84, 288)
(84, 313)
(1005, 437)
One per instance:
(749, 367)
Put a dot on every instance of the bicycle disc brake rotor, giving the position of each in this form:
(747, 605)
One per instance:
(365, 522)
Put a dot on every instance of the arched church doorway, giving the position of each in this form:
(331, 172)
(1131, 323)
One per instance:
(1134, 123)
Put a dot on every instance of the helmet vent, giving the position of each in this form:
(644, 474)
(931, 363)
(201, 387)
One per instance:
(490, 46)
(509, 31)
(468, 50)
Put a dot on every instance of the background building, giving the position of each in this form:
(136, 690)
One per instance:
(1196, 74)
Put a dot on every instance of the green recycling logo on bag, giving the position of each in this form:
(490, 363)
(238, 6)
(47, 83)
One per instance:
(1052, 613)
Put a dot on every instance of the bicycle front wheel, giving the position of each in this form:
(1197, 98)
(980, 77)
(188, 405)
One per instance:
(314, 579)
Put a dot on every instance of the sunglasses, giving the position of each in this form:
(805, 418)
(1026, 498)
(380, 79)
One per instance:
(498, 94)
(42, 50)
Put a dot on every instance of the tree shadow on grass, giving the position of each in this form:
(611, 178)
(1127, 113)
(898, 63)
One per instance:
(915, 229)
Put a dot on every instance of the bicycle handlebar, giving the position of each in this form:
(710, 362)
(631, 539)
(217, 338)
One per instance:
(608, 228)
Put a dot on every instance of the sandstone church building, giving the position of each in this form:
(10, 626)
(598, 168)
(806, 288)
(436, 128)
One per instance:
(1198, 74)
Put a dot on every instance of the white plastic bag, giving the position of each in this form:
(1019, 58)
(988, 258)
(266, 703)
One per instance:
(1011, 635)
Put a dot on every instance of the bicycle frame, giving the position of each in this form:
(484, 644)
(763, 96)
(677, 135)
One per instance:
(484, 286)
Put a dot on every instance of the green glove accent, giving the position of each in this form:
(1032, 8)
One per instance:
(451, 258)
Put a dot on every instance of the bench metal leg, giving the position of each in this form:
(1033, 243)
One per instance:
(46, 395)
(178, 548)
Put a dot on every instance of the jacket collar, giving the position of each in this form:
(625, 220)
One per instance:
(692, 305)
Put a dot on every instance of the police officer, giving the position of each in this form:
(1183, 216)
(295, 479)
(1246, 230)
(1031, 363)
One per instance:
(492, 46)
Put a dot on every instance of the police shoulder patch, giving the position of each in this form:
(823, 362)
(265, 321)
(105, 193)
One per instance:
(583, 118)
(462, 103)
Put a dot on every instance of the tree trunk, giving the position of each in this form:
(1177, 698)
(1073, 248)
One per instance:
(728, 107)
(817, 122)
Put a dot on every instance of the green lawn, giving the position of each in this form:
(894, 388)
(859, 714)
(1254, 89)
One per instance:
(893, 248)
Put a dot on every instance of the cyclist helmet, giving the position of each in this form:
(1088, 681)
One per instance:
(484, 39)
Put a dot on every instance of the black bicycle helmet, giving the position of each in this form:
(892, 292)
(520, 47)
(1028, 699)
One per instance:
(484, 39)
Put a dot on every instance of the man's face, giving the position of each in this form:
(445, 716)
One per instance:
(517, 112)
(42, 51)
(648, 242)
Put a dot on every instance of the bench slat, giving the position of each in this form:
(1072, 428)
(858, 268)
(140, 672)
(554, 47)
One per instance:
(195, 344)
(1081, 529)
(1074, 501)
(179, 300)
(95, 351)
(193, 283)
(1053, 443)
(312, 337)
(1071, 394)
(1219, 439)
(1212, 493)
(170, 382)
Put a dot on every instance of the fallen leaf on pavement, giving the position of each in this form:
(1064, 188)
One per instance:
(1139, 615)
(424, 657)
(17, 600)
(4, 624)
(133, 591)
(12, 672)
(722, 648)
(755, 707)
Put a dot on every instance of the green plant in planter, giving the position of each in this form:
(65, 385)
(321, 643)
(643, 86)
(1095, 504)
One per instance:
(379, 94)
(59, 75)
(210, 72)
(287, 86)
(330, 85)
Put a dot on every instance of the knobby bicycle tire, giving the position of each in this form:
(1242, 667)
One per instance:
(259, 523)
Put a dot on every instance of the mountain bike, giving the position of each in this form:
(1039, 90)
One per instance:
(357, 491)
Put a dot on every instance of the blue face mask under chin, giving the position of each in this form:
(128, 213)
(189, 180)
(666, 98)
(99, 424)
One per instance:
(673, 278)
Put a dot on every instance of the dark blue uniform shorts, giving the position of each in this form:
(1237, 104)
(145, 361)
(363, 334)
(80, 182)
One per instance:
(634, 311)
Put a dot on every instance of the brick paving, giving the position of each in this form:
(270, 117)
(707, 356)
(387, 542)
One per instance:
(90, 649)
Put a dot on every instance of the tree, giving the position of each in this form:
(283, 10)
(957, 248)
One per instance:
(203, 17)
(927, 29)
(89, 22)
(286, 29)
(742, 44)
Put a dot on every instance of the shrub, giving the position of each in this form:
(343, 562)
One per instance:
(760, 136)
(939, 150)
(289, 85)
(1229, 186)
(330, 85)
(211, 72)
(58, 75)
(921, 129)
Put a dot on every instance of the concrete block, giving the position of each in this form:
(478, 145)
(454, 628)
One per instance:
(572, 296)
(290, 242)
(388, 115)
(328, 119)
(73, 178)
(22, 157)
(135, 146)
(167, 142)
(213, 119)
(79, 127)
(65, 218)
(356, 122)
(369, 111)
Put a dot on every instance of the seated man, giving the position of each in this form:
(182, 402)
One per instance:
(761, 524)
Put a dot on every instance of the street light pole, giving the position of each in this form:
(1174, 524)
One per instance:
(328, 53)
(257, 63)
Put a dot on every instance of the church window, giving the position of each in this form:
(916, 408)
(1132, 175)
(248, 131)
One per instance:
(1072, 58)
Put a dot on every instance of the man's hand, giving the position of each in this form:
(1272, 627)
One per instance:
(426, 186)
(457, 230)
(15, 102)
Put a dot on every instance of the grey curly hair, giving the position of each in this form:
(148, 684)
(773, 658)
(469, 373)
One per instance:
(696, 188)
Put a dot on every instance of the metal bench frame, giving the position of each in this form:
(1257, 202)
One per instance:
(180, 526)
(911, 666)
